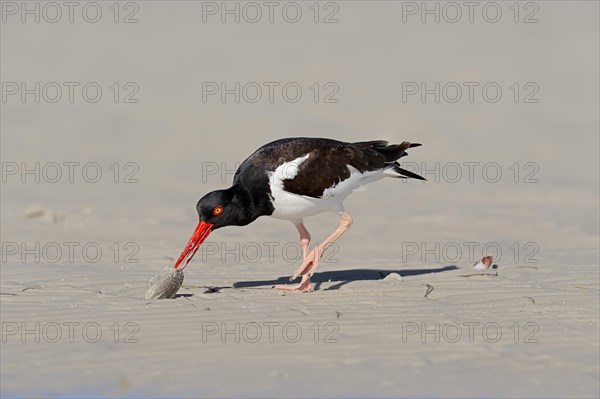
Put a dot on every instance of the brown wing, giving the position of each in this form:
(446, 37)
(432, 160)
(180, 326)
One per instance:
(326, 165)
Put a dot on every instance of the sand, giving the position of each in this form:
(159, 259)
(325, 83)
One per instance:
(77, 254)
(522, 330)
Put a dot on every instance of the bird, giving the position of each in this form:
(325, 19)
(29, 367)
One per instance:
(294, 178)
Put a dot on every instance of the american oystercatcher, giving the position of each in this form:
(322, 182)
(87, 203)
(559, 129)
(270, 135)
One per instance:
(294, 178)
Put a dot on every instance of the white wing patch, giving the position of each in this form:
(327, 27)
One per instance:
(288, 205)
(289, 170)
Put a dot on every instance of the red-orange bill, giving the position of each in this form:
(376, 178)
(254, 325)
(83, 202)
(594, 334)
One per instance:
(202, 231)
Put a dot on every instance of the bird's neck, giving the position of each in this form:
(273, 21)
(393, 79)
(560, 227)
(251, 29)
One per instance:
(250, 204)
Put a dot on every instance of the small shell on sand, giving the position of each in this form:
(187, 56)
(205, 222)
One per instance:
(484, 264)
(165, 285)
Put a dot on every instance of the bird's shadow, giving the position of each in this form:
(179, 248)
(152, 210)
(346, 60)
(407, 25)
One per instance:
(343, 277)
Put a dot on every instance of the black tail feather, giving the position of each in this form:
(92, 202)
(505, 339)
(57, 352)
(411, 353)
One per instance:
(391, 152)
(407, 173)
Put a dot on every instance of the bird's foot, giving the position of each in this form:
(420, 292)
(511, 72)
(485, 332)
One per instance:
(306, 270)
(304, 286)
(309, 265)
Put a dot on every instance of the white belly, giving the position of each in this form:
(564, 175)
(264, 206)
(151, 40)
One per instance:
(295, 207)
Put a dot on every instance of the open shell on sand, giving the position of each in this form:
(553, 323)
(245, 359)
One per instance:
(484, 264)
(165, 284)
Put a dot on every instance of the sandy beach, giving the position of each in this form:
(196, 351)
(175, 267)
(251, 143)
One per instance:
(98, 195)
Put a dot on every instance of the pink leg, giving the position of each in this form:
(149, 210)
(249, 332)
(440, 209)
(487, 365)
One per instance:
(304, 238)
(311, 262)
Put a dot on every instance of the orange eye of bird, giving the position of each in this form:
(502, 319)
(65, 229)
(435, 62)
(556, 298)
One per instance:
(218, 210)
